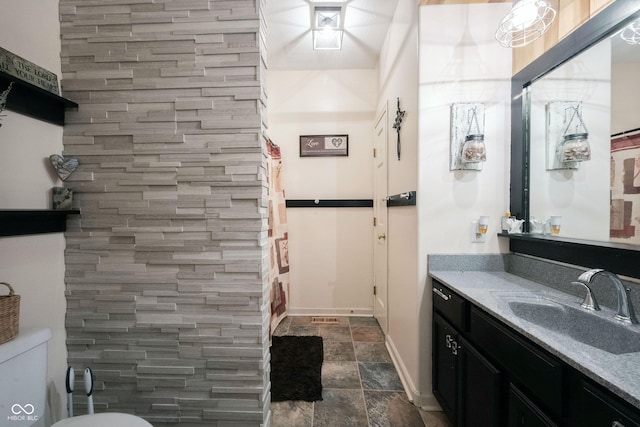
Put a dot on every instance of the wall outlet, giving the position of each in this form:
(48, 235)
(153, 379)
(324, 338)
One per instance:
(475, 236)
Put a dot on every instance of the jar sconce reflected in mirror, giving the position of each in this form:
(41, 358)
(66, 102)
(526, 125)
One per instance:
(467, 149)
(567, 135)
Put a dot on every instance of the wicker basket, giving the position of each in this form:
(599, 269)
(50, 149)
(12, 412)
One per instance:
(9, 314)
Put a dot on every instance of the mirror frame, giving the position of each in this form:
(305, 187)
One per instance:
(617, 257)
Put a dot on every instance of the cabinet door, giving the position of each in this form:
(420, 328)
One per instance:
(480, 387)
(524, 413)
(601, 409)
(445, 367)
(534, 369)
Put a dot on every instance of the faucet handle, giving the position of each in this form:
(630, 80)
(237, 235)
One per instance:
(589, 302)
(625, 308)
(588, 275)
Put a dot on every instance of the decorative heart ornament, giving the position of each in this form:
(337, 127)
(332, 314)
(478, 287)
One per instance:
(337, 142)
(63, 167)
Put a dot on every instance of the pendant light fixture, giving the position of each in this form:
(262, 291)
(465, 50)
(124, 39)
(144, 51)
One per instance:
(526, 22)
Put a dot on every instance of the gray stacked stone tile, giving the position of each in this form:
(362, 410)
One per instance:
(167, 294)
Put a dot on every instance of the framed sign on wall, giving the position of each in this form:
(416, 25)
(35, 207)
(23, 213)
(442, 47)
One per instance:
(324, 145)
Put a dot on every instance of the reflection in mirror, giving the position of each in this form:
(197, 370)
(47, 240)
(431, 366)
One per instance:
(599, 198)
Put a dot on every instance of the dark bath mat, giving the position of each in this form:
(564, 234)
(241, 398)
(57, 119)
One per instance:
(296, 368)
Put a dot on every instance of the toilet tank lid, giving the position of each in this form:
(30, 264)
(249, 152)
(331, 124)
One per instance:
(23, 342)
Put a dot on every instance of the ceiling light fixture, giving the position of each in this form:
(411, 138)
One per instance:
(631, 33)
(327, 27)
(526, 22)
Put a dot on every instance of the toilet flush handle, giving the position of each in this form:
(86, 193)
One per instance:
(88, 388)
(71, 378)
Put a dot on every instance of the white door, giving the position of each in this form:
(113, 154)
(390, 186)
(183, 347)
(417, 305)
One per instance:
(380, 220)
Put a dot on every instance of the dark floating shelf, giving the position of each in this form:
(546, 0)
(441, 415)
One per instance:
(329, 203)
(402, 199)
(16, 222)
(33, 101)
(40, 104)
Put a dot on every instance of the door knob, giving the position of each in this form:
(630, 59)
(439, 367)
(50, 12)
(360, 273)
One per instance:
(382, 236)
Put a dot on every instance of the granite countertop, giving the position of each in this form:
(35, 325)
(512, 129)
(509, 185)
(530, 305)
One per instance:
(490, 291)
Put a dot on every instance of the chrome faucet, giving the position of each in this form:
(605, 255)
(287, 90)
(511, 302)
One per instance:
(625, 309)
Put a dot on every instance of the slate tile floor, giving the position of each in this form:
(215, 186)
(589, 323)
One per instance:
(360, 386)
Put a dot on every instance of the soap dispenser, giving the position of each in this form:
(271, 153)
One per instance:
(504, 222)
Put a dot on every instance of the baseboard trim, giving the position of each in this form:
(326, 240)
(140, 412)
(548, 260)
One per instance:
(429, 403)
(405, 378)
(301, 311)
(426, 401)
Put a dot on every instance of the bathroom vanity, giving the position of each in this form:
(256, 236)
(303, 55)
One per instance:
(508, 351)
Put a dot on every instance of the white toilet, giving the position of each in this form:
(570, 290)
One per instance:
(23, 370)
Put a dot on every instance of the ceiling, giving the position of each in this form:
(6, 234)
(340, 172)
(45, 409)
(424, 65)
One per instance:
(290, 45)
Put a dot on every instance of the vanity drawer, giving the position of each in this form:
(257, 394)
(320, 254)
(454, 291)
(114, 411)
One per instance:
(524, 413)
(450, 306)
(598, 408)
(531, 369)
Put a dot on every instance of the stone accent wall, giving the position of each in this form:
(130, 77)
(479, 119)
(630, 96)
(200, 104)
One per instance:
(167, 296)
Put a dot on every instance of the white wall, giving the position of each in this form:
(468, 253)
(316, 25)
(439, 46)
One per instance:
(625, 96)
(398, 70)
(330, 249)
(460, 61)
(34, 265)
(580, 196)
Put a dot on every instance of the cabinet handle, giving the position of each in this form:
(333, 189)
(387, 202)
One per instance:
(454, 349)
(448, 340)
(617, 424)
(441, 294)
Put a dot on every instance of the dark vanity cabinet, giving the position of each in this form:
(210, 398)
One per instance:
(598, 407)
(486, 374)
(538, 376)
(480, 369)
(479, 388)
(465, 383)
(445, 366)
(523, 412)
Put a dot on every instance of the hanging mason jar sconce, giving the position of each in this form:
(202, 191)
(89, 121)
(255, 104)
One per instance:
(468, 149)
(575, 140)
(474, 150)
(567, 135)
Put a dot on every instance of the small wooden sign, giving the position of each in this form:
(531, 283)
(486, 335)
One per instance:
(27, 71)
(324, 145)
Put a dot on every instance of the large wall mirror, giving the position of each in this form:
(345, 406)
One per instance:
(585, 87)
